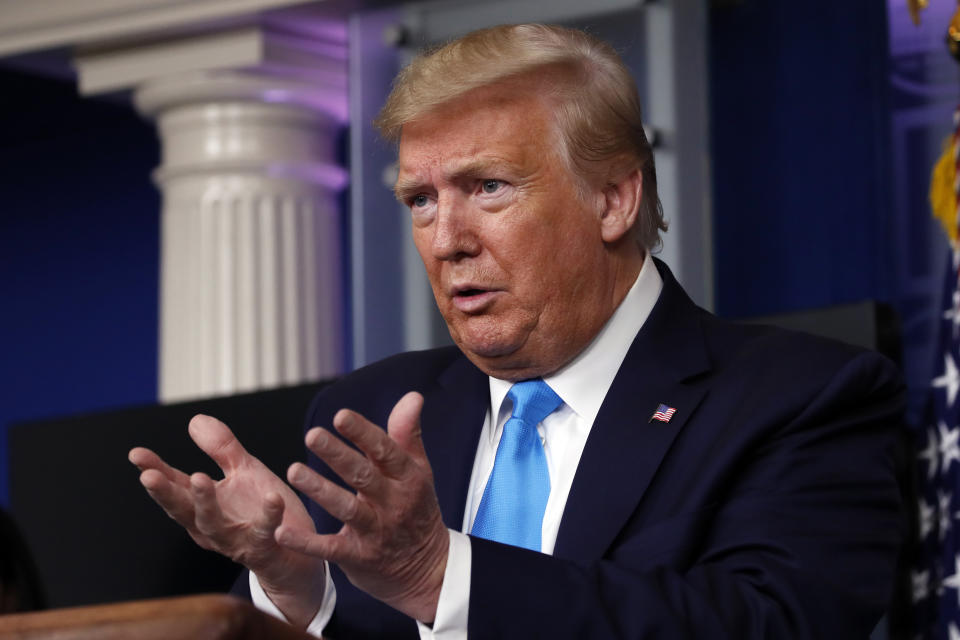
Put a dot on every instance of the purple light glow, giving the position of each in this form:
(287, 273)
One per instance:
(331, 101)
(907, 38)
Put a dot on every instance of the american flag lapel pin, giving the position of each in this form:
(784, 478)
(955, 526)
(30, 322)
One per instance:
(663, 413)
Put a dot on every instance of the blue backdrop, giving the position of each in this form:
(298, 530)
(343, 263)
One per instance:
(78, 255)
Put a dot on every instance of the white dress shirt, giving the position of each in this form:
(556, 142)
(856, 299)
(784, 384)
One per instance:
(582, 385)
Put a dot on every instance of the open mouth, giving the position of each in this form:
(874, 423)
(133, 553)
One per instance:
(473, 299)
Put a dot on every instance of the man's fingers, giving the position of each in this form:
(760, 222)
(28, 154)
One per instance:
(355, 468)
(334, 499)
(328, 547)
(174, 499)
(145, 459)
(209, 518)
(373, 441)
(265, 526)
(403, 425)
(217, 441)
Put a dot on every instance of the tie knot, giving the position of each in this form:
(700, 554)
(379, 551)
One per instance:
(533, 400)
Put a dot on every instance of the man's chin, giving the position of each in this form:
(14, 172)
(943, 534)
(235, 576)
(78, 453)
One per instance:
(504, 362)
(485, 351)
(496, 354)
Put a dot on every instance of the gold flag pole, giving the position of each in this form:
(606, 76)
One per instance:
(953, 34)
(944, 183)
(914, 7)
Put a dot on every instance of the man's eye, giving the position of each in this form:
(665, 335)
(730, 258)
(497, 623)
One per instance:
(419, 200)
(491, 186)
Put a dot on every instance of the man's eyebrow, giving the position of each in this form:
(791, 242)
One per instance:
(477, 168)
(405, 188)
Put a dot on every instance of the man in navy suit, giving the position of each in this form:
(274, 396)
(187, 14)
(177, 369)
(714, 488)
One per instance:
(687, 477)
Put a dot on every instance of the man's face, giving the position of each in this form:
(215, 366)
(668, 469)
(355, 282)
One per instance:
(515, 257)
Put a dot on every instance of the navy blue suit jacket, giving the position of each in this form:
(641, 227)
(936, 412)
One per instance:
(766, 508)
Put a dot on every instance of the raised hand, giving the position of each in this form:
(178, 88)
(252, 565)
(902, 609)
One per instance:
(238, 515)
(393, 543)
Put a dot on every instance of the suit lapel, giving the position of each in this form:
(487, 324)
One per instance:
(625, 448)
(452, 419)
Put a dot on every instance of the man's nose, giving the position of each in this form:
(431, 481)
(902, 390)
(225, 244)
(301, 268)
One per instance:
(454, 235)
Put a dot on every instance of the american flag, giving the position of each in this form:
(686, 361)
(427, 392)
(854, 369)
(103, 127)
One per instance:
(663, 413)
(935, 574)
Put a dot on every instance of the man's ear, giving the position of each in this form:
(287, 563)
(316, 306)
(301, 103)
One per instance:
(621, 205)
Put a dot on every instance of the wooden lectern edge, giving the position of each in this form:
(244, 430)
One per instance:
(210, 616)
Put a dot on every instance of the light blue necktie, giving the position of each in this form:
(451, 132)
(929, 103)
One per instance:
(511, 510)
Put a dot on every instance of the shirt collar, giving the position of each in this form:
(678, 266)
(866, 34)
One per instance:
(583, 383)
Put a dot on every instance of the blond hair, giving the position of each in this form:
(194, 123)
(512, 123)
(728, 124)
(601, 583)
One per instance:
(593, 94)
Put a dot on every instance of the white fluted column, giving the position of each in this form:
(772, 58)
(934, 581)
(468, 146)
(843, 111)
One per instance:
(251, 266)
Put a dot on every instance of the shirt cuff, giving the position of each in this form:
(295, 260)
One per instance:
(453, 606)
(263, 602)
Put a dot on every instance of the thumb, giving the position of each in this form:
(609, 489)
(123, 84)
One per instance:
(218, 442)
(403, 425)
